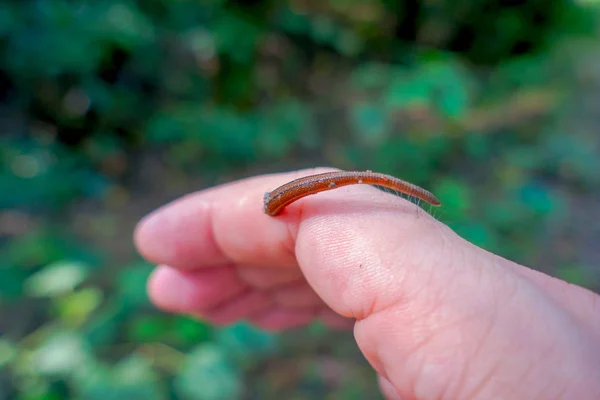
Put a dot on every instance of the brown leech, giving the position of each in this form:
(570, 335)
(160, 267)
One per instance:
(284, 195)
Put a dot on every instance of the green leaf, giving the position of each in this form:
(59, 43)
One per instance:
(132, 378)
(77, 307)
(56, 279)
(61, 353)
(456, 198)
(370, 122)
(209, 375)
(123, 24)
(8, 20)
(188, 331)
(236, 36)
(131, 284)
(478, 234)
(242, 340)
(449, 88)
(348, 43)
(11, 282)
(403, 92)
(282, 127)
(539, 199)
(371, 76)
(8, 352)
(146, 329)
(440, 84)
(106, 324)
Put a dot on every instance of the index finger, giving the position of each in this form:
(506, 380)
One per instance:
(220, 225)
(226, 224)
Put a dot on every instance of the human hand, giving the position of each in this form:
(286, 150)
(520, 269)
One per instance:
(436, 316)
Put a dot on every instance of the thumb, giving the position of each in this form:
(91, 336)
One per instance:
(436, 316)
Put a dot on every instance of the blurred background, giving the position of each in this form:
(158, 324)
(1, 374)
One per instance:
(109, 109)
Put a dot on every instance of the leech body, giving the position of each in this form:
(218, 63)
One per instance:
(284, 195)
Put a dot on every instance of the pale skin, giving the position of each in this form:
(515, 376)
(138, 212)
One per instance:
(436, 316)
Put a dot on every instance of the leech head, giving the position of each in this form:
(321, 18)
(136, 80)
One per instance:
(266, 199)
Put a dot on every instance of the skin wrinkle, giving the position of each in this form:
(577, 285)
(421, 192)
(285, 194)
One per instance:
(513, 284)
(571, 319)
(215, 314)
(286, 296)
(259, 297)
(445, 327)
(560, 393)
(479, 347)
(375, 303)
(291, 286)
(424, 342)
(255, 277)
(208, 210)
(213, 232)
(387, 389)
(411, 354)
(289, 243)
(565, 316)
(219, 241)
(371, 308)
(368, 273)
(447, 392)
(370, 353)
(484, 337)
(245, 290)
(414, 351)
(242, 287)
(512, 301)
(264, 318)
(430, 341)
(518, 383)
(460, 381)
(484, 383)
(576, 302)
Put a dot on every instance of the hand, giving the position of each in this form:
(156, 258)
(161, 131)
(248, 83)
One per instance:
(436, 316)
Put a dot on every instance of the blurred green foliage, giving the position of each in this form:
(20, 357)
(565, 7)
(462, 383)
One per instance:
(479, 101)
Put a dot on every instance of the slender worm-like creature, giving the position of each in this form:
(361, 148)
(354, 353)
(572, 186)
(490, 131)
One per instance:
(284, 195)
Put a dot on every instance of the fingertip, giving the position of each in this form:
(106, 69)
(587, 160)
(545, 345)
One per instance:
(160, 289)
(180, 234)
(153, 235)
(172, 290)
(142, 235)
